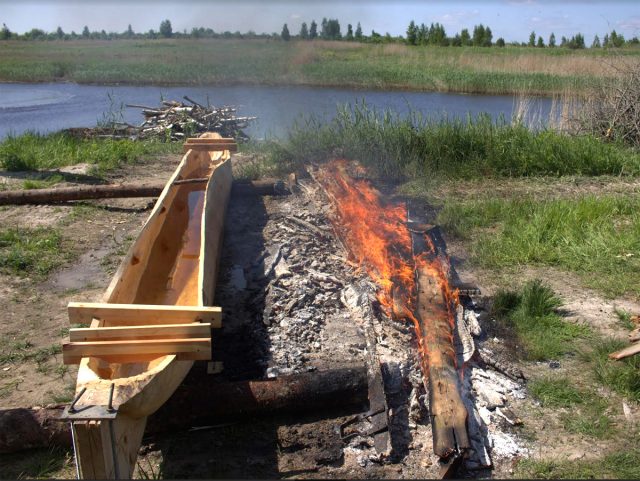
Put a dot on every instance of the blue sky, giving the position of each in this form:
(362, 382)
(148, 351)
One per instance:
(511, 19)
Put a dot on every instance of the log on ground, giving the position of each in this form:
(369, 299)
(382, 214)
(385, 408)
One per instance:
(27, 428)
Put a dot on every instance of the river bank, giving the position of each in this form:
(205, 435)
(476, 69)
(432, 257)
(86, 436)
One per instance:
(509, 70)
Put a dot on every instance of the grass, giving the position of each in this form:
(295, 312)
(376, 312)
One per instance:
(531, 314)
(39, 463)
(30, 251)
(555, 392)
(624, 317)
(48, 181)
(32, 151)
(621, 376)
(394, 66)
(584, 411)
(415, 146)
(597, 237)
(618, 465)
(21, 351)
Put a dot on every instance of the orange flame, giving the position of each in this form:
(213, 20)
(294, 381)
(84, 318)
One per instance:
(377, 236)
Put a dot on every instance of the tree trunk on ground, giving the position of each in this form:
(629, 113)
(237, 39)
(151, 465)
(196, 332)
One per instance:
(25, 428)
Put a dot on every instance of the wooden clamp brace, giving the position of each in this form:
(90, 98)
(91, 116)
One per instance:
(209, 144)
(142, 314)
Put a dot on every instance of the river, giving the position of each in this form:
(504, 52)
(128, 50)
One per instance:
(54, 106)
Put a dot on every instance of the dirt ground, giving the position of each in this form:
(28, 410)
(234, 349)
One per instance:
(98, 234)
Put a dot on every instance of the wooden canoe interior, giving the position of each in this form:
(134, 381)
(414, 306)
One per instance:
(157, 314)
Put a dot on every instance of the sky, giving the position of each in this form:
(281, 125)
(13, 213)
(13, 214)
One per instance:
(511, 19)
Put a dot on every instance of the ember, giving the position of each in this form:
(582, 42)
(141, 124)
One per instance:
(413, 281)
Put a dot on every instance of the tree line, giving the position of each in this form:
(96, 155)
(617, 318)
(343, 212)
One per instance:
(330, 29)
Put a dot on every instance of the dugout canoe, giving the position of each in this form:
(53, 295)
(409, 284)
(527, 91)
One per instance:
(155, 318)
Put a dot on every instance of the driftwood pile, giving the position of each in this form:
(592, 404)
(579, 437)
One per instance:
(176, 120)
(173, 121)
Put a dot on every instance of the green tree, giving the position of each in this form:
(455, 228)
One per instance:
(304, 32)
(552, 40)
(59, 33)
(129, 32)
(5, 33)
(423, 35)
(412, 33)
(85, 32)
(617, 40)
(358, 35)
(330, 29)
(563, 41)
(488, 37)
(540, 43)
(349, 36)
(456, 41)
(532, 39)
(465, 38)
(165, 29)
(500, 42)
(596, 42)
(285, 33)
(313, 30)
(478, 35)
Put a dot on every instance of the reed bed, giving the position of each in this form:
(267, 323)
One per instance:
(415, 146)
(322, 63)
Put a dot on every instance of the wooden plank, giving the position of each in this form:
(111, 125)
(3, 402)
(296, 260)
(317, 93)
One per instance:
(142, 314)
(209, 140)
(209, 146)
(166, 331)
(196, 349)
(215, 206)
(626, 352)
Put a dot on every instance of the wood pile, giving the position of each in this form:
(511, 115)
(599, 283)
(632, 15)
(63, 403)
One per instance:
(174, 121)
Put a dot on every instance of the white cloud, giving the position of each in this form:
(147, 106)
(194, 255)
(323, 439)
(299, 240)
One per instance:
(632, 23)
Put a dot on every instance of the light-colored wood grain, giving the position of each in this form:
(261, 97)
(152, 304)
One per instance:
(211, 147)
(142, 314)
(215, 207)
(210, 140)
(167, 331)
(196, 348)
(632, 350)
(161, 259)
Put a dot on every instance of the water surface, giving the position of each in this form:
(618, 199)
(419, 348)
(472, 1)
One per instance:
(50, 107)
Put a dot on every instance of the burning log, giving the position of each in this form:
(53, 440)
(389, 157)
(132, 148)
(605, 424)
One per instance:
(434, 324)
(190, 406)
(413, 277)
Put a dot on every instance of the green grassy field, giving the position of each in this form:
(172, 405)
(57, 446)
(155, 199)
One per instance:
(321, 63)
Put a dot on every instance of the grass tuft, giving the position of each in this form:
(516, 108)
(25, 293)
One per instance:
(555, 392)
(30, 252)
(539, 329)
